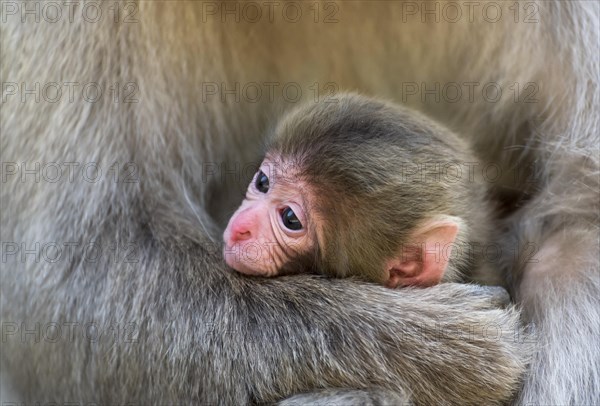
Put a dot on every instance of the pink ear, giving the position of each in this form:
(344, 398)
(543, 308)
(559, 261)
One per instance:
(423, 261)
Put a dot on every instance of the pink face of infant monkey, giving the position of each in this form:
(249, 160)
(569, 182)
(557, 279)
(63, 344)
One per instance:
(329, 198)
(270, 230)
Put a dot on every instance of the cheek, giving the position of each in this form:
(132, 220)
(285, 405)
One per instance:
(301, 259)
(297, 246)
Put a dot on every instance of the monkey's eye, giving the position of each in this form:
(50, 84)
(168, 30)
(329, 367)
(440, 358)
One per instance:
(262, 182)
(290, 221)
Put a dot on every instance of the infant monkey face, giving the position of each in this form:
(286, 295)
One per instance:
(270, 228)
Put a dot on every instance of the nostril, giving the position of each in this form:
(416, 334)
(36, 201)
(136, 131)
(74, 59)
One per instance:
(241, 235)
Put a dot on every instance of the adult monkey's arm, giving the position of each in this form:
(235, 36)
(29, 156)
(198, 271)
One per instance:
(233, 339)
(451, 343)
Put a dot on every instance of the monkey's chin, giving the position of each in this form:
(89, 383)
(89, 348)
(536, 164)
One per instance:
(230, 259)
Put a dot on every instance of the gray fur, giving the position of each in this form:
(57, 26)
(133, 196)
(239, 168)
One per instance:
(341, 397)
(283, 347)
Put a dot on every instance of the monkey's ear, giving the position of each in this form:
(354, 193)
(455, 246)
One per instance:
(423, 261)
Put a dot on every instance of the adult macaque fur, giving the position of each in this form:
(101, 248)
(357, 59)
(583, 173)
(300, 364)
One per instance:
(206, 334)
(338, 194)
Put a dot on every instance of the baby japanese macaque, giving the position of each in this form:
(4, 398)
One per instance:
(363, 188)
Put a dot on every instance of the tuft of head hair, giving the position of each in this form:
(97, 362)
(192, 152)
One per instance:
(375, 171)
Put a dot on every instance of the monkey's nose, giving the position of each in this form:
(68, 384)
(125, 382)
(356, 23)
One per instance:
(244, 225)
(239, 232)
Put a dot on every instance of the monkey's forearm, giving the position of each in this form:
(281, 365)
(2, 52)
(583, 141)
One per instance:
(450, 343)
(230, 339)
